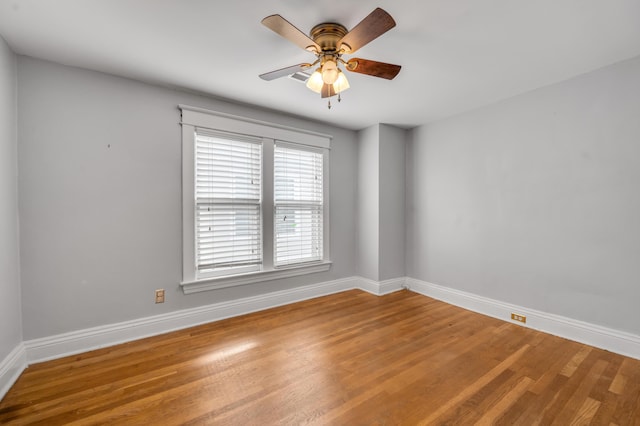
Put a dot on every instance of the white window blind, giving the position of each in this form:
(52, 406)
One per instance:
(228, 202)
(298, 204)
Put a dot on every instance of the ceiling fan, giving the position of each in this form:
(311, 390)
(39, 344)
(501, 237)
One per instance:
(329, 41)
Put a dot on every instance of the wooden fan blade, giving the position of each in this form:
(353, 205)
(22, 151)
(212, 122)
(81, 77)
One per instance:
(374, 68)
(281, 26)
(373, 26)
(284, 72)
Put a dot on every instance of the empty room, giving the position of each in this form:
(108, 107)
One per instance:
(329, 213)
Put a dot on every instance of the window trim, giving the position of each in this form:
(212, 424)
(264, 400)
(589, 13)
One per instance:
(214, 283)
(193, 117)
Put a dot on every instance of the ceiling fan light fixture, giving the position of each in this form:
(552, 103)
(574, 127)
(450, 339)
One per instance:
(329, 72)
(328, 41)
(315, 82)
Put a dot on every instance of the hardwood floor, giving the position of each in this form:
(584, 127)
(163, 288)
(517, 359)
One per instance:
(348, 358)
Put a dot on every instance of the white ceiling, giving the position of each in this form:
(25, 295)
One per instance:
(456, 55)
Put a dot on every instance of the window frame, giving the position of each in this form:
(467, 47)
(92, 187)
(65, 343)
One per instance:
(269, 133)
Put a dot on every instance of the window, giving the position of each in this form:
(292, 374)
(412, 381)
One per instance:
(298, 205)
(227, 203)
(255, 201)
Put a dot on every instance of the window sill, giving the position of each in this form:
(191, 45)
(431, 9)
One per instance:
(215, 283)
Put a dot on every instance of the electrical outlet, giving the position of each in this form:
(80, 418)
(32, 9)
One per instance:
(518, 317)
(160, 296)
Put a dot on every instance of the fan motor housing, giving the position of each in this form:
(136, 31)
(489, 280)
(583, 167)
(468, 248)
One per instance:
(328, 35)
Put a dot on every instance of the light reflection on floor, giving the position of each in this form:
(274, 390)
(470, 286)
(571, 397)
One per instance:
(226, 352)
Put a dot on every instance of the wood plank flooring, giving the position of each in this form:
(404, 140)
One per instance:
(349, 358)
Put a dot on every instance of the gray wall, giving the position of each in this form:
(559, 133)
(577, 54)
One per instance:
(10, 316)
(368, 202)
(100, 198)
(392, 202)
(536, 200)
(533, 201)
(381, 201)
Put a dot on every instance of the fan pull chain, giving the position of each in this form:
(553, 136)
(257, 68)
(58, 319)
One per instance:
(329, 104)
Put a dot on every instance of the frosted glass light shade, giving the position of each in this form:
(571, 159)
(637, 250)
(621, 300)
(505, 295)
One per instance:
(315, 82)
(329, 72)
(341, 83)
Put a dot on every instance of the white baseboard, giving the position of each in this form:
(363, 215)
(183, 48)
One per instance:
(380, 288)
(601, 337)
(11, 367)
(74, 342)
(60, 345)
(52, 347)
